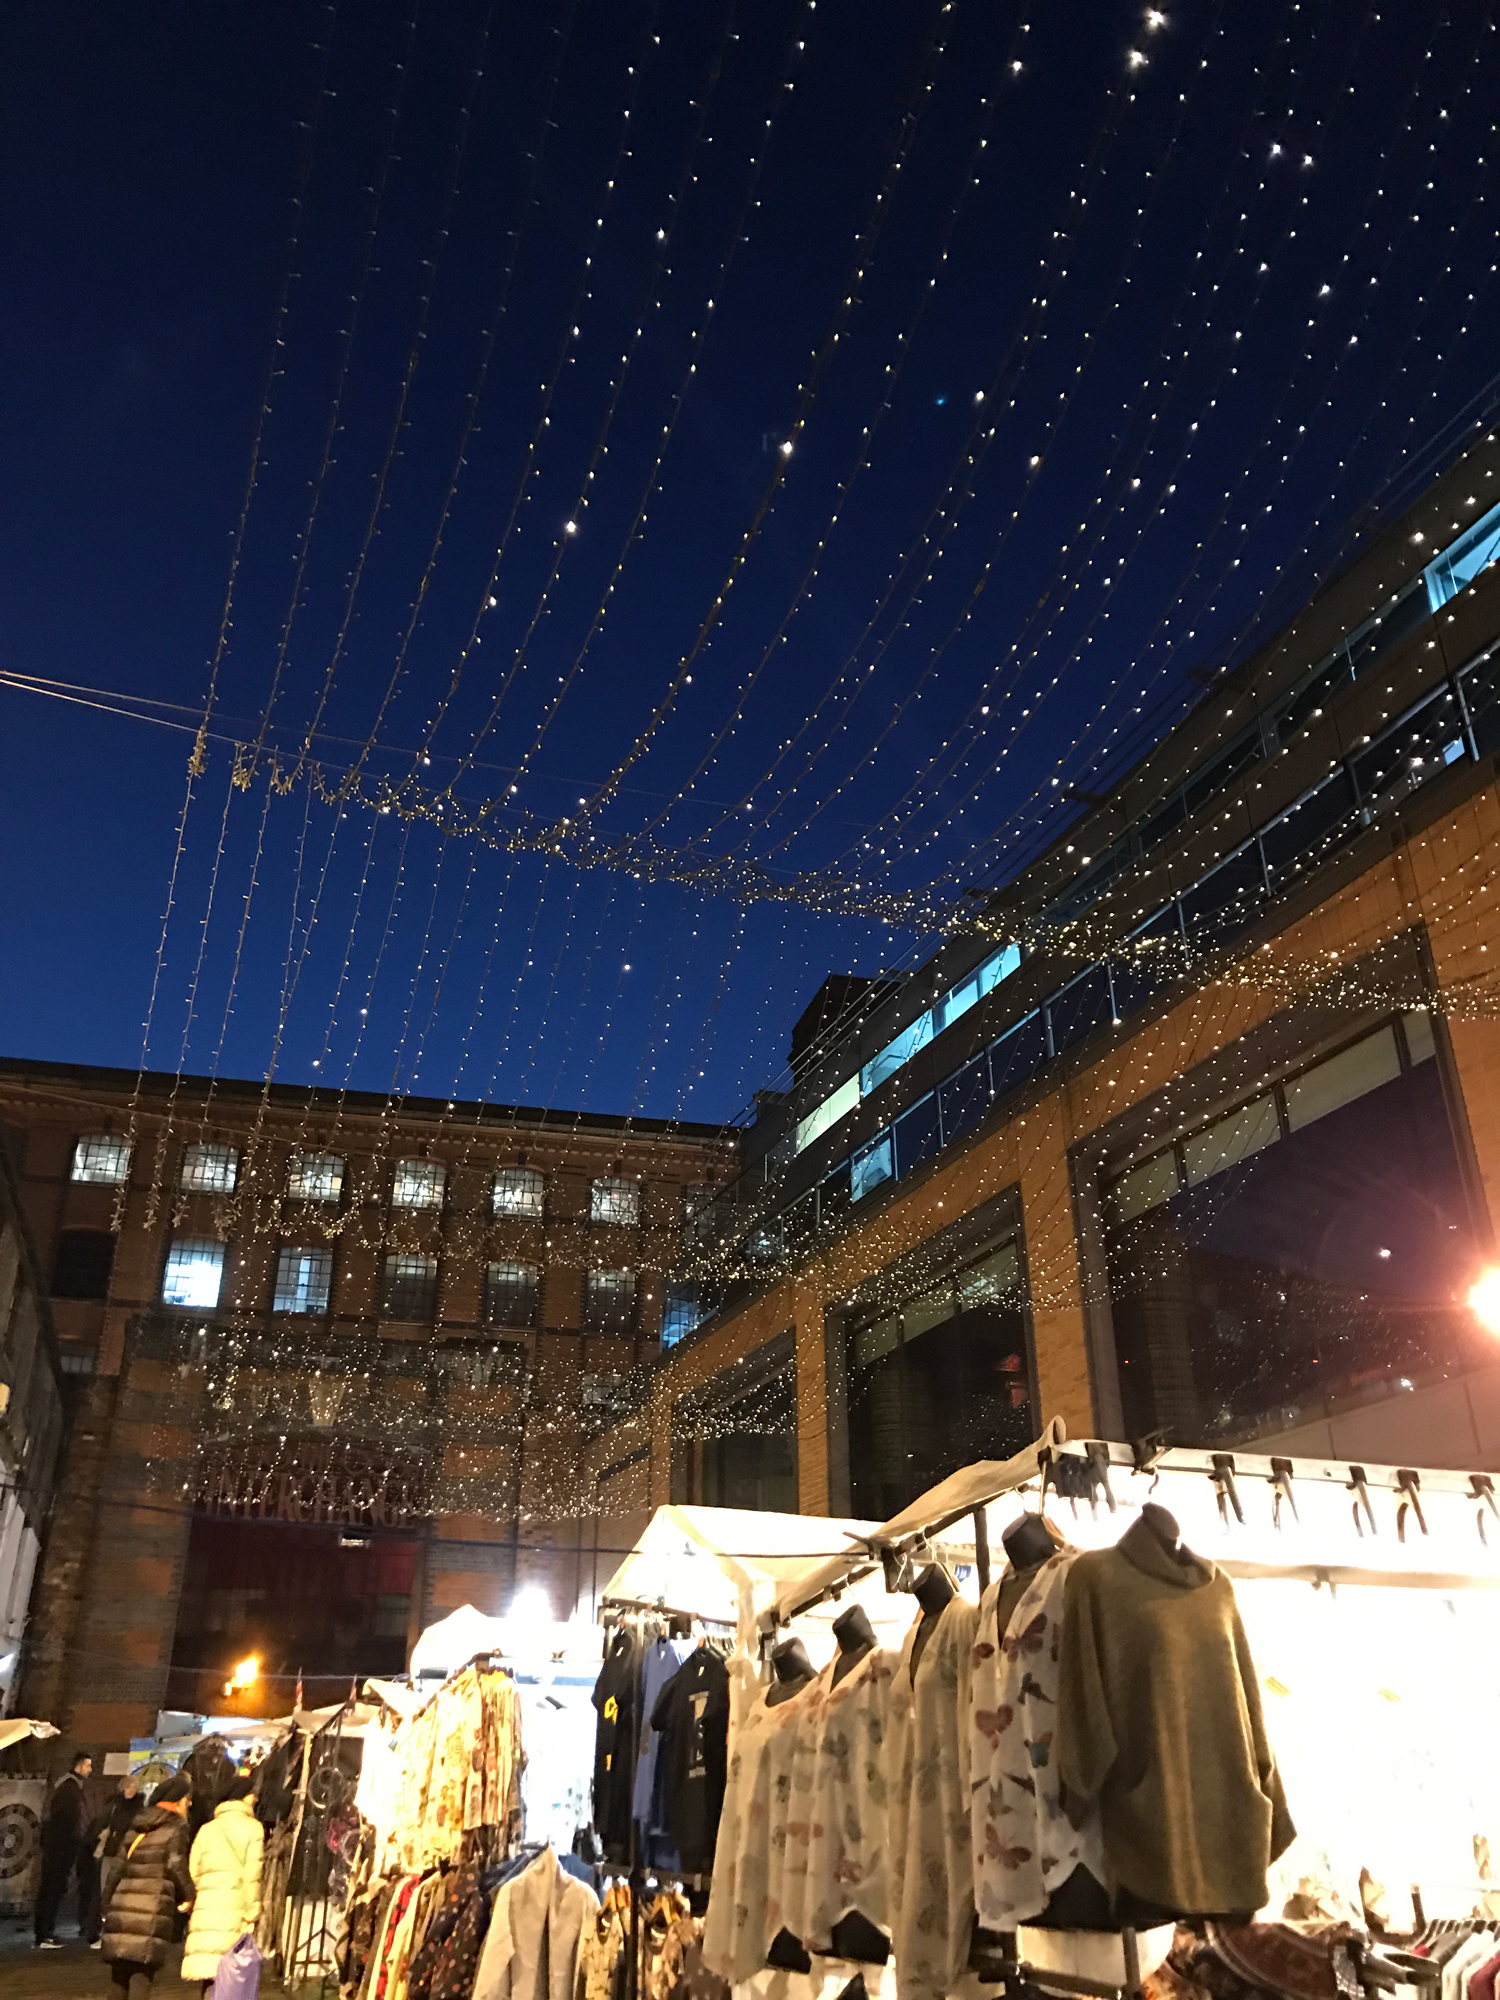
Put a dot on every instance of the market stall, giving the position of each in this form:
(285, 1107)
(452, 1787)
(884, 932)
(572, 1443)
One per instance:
(1180, 1686)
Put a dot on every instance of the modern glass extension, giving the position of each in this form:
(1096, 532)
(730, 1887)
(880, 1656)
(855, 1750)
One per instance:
(1458, 720)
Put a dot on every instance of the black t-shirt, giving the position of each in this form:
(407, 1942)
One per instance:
(692, 1714)
(615, 1697)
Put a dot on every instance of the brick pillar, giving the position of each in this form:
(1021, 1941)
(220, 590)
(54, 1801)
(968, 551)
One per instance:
(57, 1599)
(820, 1399)
(117, 1674)
(1061, 1343)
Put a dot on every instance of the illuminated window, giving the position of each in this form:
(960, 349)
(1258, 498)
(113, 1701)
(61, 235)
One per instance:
(510, 1294)
(609, 1306)
(417, 1184)
(408, 1287)
(681, 1313)
(101, 1158)
(828, 1113)
(304, 1280)
(209, 1169)
(613, 1200)
(518, 1191)
(1462, 560)
(194, 1273)
(315, 1177)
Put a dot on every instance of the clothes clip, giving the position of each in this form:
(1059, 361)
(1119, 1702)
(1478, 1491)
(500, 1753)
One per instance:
(1483, 1489)
(1281, 1485)
(1410, 1484)
(1360, 1488)
(1225, 1491)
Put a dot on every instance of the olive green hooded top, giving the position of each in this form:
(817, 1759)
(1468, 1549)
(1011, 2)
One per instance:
(1160, 1728)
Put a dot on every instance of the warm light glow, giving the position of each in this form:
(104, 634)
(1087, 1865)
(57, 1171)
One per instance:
(1484, 1299)
(246, 1673)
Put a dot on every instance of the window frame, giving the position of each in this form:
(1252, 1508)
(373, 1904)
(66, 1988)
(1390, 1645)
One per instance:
(198, 1156)
(596, 1321)
(605, 1189)
(529, 1293)
(118, 1143)
(391, 1279)
(515, 1176)
(433, 1172)
(294, 1168)
(178, 1245)
(310, 1251)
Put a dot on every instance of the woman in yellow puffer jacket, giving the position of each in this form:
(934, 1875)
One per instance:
(225, 1867)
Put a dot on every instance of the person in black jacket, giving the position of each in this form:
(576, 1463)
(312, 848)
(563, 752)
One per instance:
(110, 1835)
(154, 1886)
(62, 1851)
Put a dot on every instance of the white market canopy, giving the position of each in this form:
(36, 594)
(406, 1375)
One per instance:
(731, 1565)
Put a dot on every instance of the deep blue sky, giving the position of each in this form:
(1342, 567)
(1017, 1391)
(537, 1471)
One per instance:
(1077, 358)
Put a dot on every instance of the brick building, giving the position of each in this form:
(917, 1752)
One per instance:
(1194, 1130)
(334, 1365)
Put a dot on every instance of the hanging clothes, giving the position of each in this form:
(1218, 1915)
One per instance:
(745, 1901)
(1159, 1728)
(841, 1799)
(932, 1906)
(691, 1715)
(1023, 1844)
(599, 1951)
(616, 1698)
(537, 1924)
(659, 1663)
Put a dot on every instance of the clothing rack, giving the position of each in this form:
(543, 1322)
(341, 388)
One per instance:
(1018, 1978)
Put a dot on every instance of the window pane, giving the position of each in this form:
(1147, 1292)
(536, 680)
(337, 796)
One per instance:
(210, 1169)
(1320, 1273)
(315, 1177)
(510, 1294)
(1144, 1186)
(1151, 960)
(1419, 1042)
(917, 1134)
(1475, 549)
(101, 1158)
(615, 1200)
(965, 1097)
(1233, 1139)
(610, 1302)
(681, 1313)
(1295, 844)
(868, 1169)
(194, 1273)
(1018, 1054)
(899, 1050)
(409, 1287)
(1421, 748)
(84, 1260)
(1229, 900)
(1084, 1005)
(518, 1191)
(304, 1280)
(417, 1184)
(1342, 1078)
(828, 1113)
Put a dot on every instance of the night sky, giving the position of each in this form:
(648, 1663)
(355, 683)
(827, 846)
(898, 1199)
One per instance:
(862, 416)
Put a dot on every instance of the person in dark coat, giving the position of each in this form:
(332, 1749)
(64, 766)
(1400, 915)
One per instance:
(62, 1851)
(154, 1886)
(110, 1834)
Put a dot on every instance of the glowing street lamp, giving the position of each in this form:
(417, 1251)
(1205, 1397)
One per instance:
(245, 1675)
(1484, 1298)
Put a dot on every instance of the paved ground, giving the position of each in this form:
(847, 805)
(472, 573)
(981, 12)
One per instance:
(29, 1974)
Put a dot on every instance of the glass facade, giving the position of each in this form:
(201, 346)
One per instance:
(937, 1383)
(1309, 1252)
(742, 1452)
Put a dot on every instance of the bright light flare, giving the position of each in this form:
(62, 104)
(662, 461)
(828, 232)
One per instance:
(246, 1673)
(1484, 1299)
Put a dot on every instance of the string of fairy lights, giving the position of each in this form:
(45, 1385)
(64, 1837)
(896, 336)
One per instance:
(471, 892)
